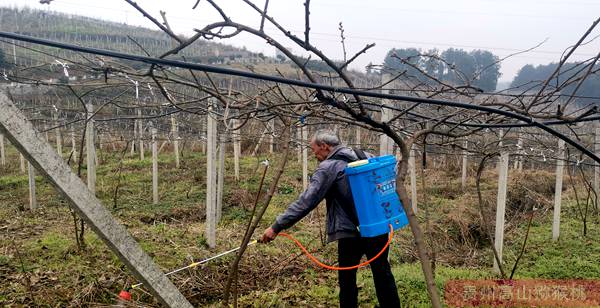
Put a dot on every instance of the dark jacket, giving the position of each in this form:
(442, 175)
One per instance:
(327, 182)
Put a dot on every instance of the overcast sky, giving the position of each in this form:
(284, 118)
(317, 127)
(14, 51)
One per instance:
(503, 27)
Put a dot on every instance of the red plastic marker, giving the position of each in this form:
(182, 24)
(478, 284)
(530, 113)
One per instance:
(125, 295)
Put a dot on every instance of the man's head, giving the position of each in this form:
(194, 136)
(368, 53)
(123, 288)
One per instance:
(322, 142)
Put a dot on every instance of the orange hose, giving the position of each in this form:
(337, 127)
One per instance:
(337, 268)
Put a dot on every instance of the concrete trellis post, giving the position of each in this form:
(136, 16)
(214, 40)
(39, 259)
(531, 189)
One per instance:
(135, 138)
(520, 158)
(22, 135)
(501, 206)
(304, 157)
(2, 153)
(99, 143)
(90, 149)
(203, 143)
(22, 163)
(413, 179)
(299, 140)
(175, 136)
(220, 176)
(596, 165)
(272, 136)
(154, 167)
(560, 163)
(211, 127)
(59, 140)
(237, 149)
(140, 133)
(463, 178)
(74, 146)
(386, 144)
(500, 142)
(32, 197)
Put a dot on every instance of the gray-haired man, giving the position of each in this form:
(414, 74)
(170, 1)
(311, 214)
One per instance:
(329, 182)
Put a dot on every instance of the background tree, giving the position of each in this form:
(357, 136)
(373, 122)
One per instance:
(488, 69)
(525, 74)
(531, 77)
(460, 66)
(410, 55)
(478, 68)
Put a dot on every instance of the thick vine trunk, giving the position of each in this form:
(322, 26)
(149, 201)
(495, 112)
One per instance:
(255, 220)
(416, 231)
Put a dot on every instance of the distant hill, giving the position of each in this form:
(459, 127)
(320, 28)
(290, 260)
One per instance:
(90, 32)
(96, 33)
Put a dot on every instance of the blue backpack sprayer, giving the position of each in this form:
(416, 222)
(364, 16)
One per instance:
(378, 207)
(373, 185)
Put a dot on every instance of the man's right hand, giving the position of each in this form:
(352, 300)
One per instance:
(268, 236)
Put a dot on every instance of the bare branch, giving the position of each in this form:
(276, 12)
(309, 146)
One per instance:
(306, 22)
(262, 20)
(364, 50)
(153, 20)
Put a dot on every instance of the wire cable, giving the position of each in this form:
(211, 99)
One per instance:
(288, 81)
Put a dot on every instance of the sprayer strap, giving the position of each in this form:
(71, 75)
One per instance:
(360, 153)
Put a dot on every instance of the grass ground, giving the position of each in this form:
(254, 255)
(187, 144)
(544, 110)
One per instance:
(41, 265)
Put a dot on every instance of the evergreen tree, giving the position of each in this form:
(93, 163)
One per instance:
(532, 77)
(410, 55)
(488, 70)
(478, 68)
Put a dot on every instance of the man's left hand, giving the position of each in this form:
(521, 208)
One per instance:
(268, 236)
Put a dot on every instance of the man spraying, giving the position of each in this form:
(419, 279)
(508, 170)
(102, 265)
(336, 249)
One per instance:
(329, 182)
